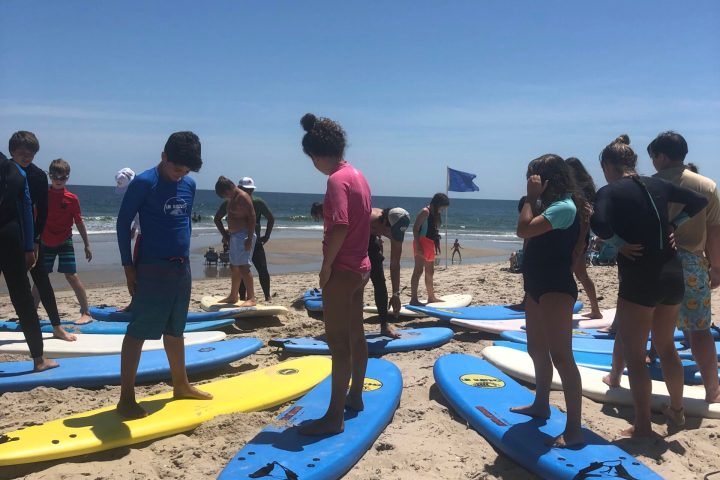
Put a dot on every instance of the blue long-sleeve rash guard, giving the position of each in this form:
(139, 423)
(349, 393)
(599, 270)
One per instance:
(165, 209)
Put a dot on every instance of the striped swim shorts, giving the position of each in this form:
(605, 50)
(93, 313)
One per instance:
(66, 257)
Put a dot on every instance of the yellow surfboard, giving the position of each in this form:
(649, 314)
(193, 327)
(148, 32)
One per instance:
(211, 304)
(104, 429)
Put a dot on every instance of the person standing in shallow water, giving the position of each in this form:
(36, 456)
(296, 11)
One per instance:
(456, 249)
(551, 234)
(425, 243)
(345, 268)
(160, 281)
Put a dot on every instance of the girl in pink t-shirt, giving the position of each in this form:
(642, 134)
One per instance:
(345, 268)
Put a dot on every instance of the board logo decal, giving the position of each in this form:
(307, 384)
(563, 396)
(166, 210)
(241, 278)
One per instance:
(580, 332)
(290, 413)
(371, 385)
(288, 371)
(481, 381)
(492, 417)
(206, 349)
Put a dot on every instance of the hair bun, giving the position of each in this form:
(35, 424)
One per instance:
(624, 139)
(308, 121)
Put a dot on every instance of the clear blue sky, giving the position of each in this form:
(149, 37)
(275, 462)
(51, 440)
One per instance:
(481, 86)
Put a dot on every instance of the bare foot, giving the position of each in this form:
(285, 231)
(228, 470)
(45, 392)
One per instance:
(389, 331)
(611, 380)
(434, 300)
(191, 393)
(230, 299)
(712, 398)
(322, 426)
(566, 440)
(533, 411)
(593, 314)
(130, 409)
(607, 330)
(416, 302)
(675, 416)
(42, 364)
(126, 309)
(636, 432)
(250, 302)
(354, 403)
(59, 332)
(84, 318)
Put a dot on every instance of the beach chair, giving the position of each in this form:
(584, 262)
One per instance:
(211, 256)
(516, 259)
(603, 253)
(224, 258)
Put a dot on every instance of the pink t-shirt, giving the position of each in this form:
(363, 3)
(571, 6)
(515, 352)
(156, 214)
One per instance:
(347, 202)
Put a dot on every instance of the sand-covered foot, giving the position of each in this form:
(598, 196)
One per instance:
(594, 314)
(434, 300)
(389, 331)
(354, 403)
(636, 432)
(534, 411)
(611, 380)
(248, 303)
(322, 426)
(677, 417)
(229, 299)
(59, 332)
(191, 393)
(43, 364)
(84, 318)
(566, 440)
(130, 409)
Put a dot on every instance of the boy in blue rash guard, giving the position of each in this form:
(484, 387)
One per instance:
(160, 281)
(17, 254)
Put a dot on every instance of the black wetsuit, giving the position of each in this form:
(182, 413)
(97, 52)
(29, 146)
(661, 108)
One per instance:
(377, 275)
(635, 209)
(38, 184)
(13, 245)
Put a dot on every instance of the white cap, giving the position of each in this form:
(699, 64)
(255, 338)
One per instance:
(248, 183)
(123, 178)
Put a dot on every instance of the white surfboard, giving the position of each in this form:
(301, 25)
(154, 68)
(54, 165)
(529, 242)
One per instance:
(516, 325)
(519, 365)
(448, 301)
(87, 344)
(211, 304)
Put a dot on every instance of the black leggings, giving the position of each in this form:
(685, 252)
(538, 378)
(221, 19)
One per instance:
(12, 265)
(41, 279)
(260, 262)
(377, 276)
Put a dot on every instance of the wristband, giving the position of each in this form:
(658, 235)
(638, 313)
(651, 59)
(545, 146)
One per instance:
(396, 294)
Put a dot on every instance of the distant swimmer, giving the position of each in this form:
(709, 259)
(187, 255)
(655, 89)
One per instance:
(456, 249)
(426, 241)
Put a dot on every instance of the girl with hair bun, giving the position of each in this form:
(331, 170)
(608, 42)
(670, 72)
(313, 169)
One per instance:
(631, 212)
(345, 268)
(549, 222)
(425, 244)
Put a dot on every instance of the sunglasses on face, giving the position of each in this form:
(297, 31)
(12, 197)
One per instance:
(59, 177)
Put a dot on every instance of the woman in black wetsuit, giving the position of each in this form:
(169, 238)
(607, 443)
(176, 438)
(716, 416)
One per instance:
(631, 212)
(550, 223)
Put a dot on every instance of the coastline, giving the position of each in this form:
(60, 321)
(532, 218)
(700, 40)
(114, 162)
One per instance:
(425, 439)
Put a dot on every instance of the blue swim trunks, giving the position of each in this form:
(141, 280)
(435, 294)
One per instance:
(162, 298)
(695, 308)
(238, 255)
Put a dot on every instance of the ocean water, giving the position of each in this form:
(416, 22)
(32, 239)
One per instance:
(488, 222)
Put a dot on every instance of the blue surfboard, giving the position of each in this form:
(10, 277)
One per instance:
(313, 300)
(410, 339)
(591, 345)
(483, 395)
(601, 361)
(114, 314)
(279, 451)
(113, 328)
(595, 333)
(102, 370)
(479, 312)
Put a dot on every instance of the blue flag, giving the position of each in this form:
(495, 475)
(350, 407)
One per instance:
(461, 181)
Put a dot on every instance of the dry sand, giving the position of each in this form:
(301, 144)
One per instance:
(424, 441)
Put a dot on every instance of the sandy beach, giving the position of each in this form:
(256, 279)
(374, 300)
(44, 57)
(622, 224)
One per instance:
(425, 439)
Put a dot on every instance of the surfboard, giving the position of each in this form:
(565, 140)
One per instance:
(519, 365)
(448, 301)
(601, 361)
(113, 314)
(112, 328)
(477, 312)
(595, 333)
(14, 342)
(104, 370)
(590, 345)
(516, 325)
(211, 304)
(103, 429)
(483, 395)
(410, 339)
(313, 300)
(279, 448)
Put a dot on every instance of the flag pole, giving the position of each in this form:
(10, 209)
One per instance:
(447, 192)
